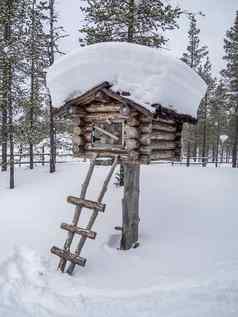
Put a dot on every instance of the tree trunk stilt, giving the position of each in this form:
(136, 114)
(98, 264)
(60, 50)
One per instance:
(130, 206)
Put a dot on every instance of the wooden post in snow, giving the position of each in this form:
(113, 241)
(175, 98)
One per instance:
(130, 206)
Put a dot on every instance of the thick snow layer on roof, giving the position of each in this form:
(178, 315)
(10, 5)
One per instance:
(149, 75)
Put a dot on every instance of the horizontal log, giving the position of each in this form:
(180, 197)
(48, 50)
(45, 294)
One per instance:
(133, 155)
(145, 159)
(132, 144)
(145, 139)
(104, 154)
(102, 108)
(101, 148)
(79, 111)
(146, 127)
(73, 258)
(163, 155)
(86, 203)
(165, 121)
(131, 132)
(83, 232)
(157, 145)
(79, 140)
(145, 119)
(145, 149)
(162, 145)
(163, 127)
(95, 117)
(157, 135)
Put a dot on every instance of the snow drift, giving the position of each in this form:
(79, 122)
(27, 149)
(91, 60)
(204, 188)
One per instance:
(148, 74)
(186, 265)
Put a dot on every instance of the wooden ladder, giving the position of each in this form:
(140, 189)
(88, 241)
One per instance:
(85, 233)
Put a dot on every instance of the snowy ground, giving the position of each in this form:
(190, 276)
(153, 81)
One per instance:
(186, 265)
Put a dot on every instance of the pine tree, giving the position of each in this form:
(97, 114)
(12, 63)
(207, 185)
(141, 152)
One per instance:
(36, 50)
(231, 76)
(218, 116)
(6, 16)
(142, 22)
(194, 57)
(195, 53)
(12, 43)
(54, 33)
(51, 53)
(205, 72)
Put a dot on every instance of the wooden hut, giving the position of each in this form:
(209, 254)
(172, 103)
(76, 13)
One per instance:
(107, 123)
(125, 124)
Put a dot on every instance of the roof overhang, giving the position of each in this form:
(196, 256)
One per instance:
(105, 87)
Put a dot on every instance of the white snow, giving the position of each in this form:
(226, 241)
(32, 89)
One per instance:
(148, 74)
(186, 265)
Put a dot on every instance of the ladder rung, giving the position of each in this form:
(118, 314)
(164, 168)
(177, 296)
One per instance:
(83, 232)
(75, 259)
(86, 203)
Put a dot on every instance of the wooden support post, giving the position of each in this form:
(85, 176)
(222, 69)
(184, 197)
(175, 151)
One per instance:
(130, 206)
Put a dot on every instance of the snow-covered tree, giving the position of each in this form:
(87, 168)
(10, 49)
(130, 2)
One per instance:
(218, 116)
(138, 21)
(35, 57)
(231, 76)
(196, 58)
(11, 51)
(55, 33)
(205, 71)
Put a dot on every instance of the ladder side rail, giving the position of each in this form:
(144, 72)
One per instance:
(77, 212)
(94, 215)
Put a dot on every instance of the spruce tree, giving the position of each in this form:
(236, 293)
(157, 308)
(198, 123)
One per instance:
(231, 76)
(142, 22)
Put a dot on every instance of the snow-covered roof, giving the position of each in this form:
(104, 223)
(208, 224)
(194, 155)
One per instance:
(150, 75)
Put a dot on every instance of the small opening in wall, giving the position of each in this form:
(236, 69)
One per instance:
(108, 134)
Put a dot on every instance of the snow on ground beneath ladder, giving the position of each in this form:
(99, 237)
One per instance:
(150, 75)
(186, 265)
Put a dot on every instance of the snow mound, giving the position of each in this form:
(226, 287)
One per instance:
(148, 74)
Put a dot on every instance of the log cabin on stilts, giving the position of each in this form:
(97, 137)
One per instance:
(109, 122)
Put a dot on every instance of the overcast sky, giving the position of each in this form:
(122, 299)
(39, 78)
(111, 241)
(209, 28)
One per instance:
(220, 15)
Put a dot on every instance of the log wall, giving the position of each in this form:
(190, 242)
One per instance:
(146, 138)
